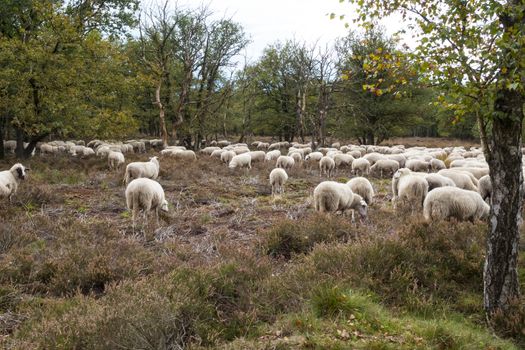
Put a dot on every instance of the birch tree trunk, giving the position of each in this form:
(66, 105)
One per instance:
(162, 118)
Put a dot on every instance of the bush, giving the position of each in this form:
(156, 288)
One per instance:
(290, 237)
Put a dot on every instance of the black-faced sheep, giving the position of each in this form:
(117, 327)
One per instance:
(10, 179)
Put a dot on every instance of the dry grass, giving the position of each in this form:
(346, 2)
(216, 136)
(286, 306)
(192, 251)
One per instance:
(229, 264)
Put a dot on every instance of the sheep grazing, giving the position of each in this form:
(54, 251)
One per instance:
(437, 165)
(453, 202)
(408, 187)
(186, 155)
(146, 195)
(362, 187)
(485, 187)
(417, 165)
(326, 166)
(461, 179)
(243, 160)
(297, 157)
(115, 160)
(209, 150)
(217, 153)
(137, 170)
(10, 179)
(257, 156)
(278, 178)
(273, 155)
(436, 180)
(313, 157)
(227, 156)
(342, 160)
(285, 162)
(384, 167)
(331, 196)
(361, 166)
(263, 145)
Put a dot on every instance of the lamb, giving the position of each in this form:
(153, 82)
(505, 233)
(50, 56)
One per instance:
(278, 178)
(362, 187)
(331, 196)
(146, 195)
(137, 170)
(408, 186)
(453, 202)
(115, 160)
(243, 160)
(437, 164)
(327, 166)
(485, 187)
(361, 167)
(227, 156)
(285, 162)
(384, 166)
(461, 179)
(10, 179)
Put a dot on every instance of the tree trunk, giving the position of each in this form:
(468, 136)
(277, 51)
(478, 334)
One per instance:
(19, 151)
(162, 119)
(2, 150)
(501, 285)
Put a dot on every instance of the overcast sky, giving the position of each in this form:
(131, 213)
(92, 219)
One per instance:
(266, 21)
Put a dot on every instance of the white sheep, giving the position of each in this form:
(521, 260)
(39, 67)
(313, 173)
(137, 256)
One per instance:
(327, 166)
(257, 156)
(10, 179)
(453, 202)
(146, 195)
(115, 160)
(361, 166)
(187, 155)
(278, 178)
(408, 187)
(384, 166)
(217, 153)
(273, 155)
(227, 156)
(137, 170)
(437, 180)
(485, 187)
(297, 157)
(461, 179)
(417, 165)
(331, 196)
(243, 160)
(437, 164)
(209, 150)
(362, 187)
(285, 162)
(342, 160)
(313, 157)
(263, 145)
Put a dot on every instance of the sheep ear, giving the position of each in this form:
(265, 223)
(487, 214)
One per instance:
(28, 169)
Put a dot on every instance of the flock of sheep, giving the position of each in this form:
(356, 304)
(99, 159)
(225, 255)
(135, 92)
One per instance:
(444, 183)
